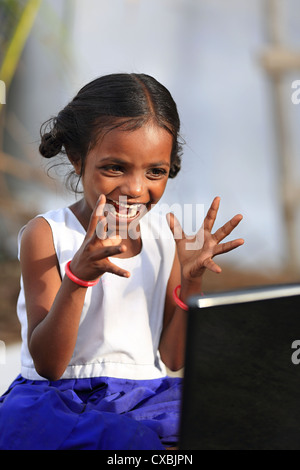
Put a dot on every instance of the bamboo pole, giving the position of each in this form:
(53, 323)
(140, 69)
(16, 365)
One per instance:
(277, 60)
(22, 170)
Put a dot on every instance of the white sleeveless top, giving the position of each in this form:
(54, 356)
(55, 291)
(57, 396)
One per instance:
(121, 320)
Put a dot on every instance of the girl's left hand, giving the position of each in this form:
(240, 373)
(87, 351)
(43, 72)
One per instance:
(196, 253)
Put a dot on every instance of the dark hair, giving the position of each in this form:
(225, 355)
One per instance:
(118, 100)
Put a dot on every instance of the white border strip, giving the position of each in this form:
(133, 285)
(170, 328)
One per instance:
(250, 295)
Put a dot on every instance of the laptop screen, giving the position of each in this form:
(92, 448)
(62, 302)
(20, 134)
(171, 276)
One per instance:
(242, 371)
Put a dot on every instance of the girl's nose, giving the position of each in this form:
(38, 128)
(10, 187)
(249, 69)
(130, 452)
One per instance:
(133, 186)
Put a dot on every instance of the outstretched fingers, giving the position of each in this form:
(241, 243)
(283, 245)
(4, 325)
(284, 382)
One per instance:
(212, 214)
(228, 246)
(114, 269)
(227, 228)
(212, 266)
(104, 246)
(97, 214)
(101, 256)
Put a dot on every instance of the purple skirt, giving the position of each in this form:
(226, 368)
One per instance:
(90, 414)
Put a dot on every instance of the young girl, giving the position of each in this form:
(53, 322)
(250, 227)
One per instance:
(104, 285)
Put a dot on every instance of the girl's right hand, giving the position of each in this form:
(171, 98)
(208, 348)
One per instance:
(91, 260)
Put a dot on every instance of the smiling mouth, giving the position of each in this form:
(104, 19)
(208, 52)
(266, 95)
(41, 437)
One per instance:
(123, 210)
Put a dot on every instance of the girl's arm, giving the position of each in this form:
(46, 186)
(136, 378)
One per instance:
(53, 304)
(172, 342)
(193, 256)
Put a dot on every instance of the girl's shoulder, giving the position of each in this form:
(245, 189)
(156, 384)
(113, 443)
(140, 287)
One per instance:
(39, 224)
(44, 221)
(39, 230)
(35, 239)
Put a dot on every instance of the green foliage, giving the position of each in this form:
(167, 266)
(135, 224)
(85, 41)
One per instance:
(10, 13)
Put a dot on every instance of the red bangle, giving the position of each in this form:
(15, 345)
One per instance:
(177, 299)
(76, 279)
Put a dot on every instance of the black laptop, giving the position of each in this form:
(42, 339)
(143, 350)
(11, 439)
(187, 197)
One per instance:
(242, 371)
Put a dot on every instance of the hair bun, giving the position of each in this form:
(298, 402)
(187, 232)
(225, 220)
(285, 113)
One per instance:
(50, 145)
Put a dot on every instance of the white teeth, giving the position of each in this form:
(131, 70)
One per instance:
(127, 206)
(132, 212)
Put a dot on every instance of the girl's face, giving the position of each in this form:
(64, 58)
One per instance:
(130, 168)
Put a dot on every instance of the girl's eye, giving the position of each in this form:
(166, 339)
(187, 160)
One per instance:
(113, 168)
(157, 172)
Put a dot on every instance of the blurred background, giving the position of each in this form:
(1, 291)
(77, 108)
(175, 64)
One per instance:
(230, 67)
